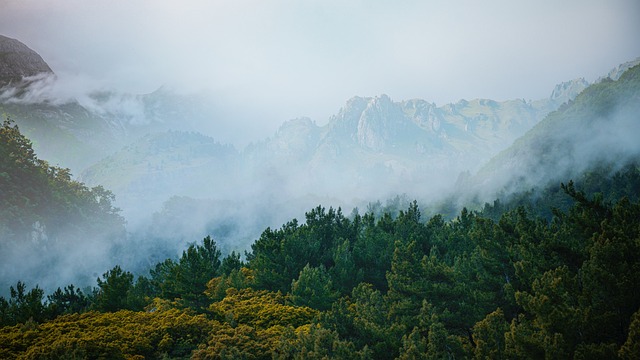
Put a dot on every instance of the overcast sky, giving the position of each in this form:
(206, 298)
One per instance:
(277, 60)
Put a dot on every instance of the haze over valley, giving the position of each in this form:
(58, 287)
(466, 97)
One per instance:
(175, 183)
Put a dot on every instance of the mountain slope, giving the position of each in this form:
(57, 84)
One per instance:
(17, 61)
(377, 147)
(371, 148)
(368, 140)
(164, 164)
(600, 126)
(50, 224)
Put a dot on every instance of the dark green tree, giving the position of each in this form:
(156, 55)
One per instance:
(198, 264)
(488, 336)
(67, 301)
(406, 285)
(22, 306)
(113, 290)
(344, 273)
(313, 288)
(373, 250)
(414, 346)
(230, 263)
(275, 264)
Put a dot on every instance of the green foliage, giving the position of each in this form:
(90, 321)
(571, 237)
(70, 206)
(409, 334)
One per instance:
(68, 301)
(230, 263)
(43, 212)
(279, 256)
(631, 347)
(187, 279)
(275, 258)
(488, 336)
(236, 279)
(414, 346)
(315, 342)
(23, 181)
(313, 288)
(114, 288)
(406, 289)
(373, 250)
(363, 320)
(32, 191)
(163, 282)
(198, 265)
(345, 273)
(22, 306)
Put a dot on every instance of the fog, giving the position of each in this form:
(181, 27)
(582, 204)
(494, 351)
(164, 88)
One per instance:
(264, 62)
(235, 72)
(598, 134)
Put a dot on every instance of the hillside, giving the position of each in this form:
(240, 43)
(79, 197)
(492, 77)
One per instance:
(374, 145)
(599, 126)
(364, 287)
(166, 164)
(51, 226)
(18, 62)
(402, 136)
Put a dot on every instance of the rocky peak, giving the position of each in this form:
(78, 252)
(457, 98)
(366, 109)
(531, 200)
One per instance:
(424, 114)
(568, 90)
(17, 61)
(616, 72)
(295, 126)
(295, 138)
(376, 121)
(385, 123)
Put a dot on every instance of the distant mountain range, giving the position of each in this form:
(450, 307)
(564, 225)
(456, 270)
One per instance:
(146, 148)
(373, 147)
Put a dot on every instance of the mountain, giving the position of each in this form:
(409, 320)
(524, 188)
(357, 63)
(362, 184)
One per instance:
(373, 148)
(77, 133)
(19, 62)
(68, 135)
(600, 126)
(165, 164)
(376, 146)
(150, 148)
(51, 227)
(380, 135)
(567, 91)
(617, 71)
(370, 147)
(176, 184)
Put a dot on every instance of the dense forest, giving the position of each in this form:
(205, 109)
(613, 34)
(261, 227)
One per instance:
(531, 276)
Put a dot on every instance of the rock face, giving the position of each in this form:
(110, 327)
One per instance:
(381, 124)
(18, 61)
(568, 90)
(616, 72)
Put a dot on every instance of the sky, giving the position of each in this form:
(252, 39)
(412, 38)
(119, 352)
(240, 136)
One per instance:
(265, 62)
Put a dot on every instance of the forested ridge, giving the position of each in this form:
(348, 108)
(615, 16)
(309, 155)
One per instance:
(33, 191)
(519, 278)
(45, 213)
